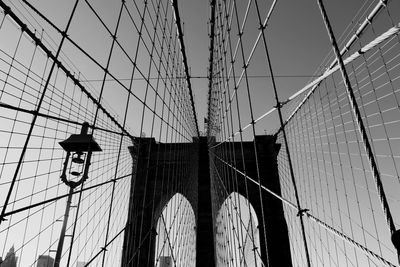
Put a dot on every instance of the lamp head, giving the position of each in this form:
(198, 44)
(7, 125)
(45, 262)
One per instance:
(81, 147)
(82, 142)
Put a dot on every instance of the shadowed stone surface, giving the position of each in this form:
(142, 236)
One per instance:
(157, 165)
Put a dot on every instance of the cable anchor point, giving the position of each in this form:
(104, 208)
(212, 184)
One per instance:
(301, 211)
(280, 104)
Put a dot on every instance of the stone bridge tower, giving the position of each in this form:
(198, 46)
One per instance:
(190, 166)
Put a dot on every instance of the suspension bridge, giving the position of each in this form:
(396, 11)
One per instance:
(104, 160)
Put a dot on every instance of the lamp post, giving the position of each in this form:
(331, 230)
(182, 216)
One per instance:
(75, 171)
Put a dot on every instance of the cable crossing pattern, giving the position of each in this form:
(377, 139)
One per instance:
(338, 158)
(102, 157)
(46, 62)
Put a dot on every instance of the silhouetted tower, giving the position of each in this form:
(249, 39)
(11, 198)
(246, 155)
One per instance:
(276, 250)
(10, 260)
(45, 261)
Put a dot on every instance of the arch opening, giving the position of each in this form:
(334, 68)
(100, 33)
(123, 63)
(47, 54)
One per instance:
(237, 241)
(175, 243)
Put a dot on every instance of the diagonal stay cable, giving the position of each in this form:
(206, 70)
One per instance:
(313, 85)
(75, 80)
(315, 219)
(38, 42)
(240, 218)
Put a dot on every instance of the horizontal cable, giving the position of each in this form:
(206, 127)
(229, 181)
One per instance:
(63, 196)
(313, 85)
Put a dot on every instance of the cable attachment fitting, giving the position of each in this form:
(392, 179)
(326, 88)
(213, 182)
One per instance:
(396, 239)
(262, 27)
(281, 104)
(301, 211)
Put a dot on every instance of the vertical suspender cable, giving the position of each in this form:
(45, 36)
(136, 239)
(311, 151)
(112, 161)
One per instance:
(184, 59)
(33, 123)
(278, 106)
(357, 114)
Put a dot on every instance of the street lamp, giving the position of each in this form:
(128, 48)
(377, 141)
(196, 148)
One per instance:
(79, 148)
